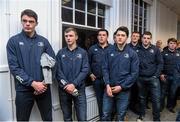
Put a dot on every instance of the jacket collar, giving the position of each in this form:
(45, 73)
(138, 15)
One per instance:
(24, 34)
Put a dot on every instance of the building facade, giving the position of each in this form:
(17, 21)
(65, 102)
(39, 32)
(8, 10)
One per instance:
(87, 16)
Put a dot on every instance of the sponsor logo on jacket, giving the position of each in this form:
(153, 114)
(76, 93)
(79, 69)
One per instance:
(40, 44)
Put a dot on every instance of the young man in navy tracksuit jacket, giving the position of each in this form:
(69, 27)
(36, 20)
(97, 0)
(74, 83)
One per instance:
(96, 56)
(72, 69)
(175, 85)
(170, 57)
(120, 70)
(24, 52)
(151, 64)
(134, 44)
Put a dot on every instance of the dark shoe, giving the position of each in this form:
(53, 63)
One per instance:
(140, 119)
(147, 107)
(161, 109)
(171, 110)
(134, 110)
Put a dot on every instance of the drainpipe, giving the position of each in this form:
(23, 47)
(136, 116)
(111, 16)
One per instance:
(11, 99)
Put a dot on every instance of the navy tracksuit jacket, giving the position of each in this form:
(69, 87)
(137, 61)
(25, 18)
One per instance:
(96, 56)
(170, 59)
(72, 66)
(135, 48)
(121, 67)
(24, 54)
(151, 61)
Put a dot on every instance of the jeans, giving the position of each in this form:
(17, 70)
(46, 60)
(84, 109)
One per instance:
(25, 101)
(165, 90)
(134, 97)
(79, 101)
(99, 86)
(172, 94)
(178, 117)
(121, 101)
(153, 85)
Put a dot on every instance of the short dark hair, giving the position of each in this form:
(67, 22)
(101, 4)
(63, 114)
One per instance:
(71, 29)
(147, 33)
(103, 30)
(29, 13)
(124, 29)
(136, 32)
(171, 40)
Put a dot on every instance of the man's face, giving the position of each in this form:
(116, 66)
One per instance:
(146, 40)
(135, 37)
(172, 45)
(70, 38)
(28, 24)
(102, 37)
(121, 37)
(158, 44)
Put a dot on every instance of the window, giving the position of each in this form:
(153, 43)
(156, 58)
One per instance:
(139, 16)
(87, 17)
(83, 12)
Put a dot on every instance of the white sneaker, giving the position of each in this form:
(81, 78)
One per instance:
(139, 119)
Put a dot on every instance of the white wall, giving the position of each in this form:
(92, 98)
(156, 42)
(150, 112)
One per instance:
(164, 22)
(119, 16)
(6, 106)
(178, 30)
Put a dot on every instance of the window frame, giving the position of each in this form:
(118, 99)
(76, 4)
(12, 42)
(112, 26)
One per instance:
(86, 15)
(145, 8)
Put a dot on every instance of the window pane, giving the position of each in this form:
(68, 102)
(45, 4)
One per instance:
(100, 22)
(145, 5)
(68, 3)
(67, 17)
(140, 21)
(141, 11)
(91, 20)
(136, 10)
(140, 29)
(144, 29)
(145, 23)
(80, 4)
(101, 9)
(136, 1)
(91, 7)
(136, 20)
(80, 18)
(145, 13)
(135, 28)
(141, 3)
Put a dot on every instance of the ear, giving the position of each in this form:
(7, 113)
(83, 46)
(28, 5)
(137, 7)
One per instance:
(76, 37)
(37, 23)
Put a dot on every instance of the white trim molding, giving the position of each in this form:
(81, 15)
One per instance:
(150, 2)
(105, 2)
(4, 68)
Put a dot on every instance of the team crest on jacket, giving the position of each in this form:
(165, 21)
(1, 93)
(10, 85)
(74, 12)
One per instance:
(112, 54)
(63, 56)
(79, 55)
(151, 51)
(177, 54)
(166, 54)
(126, 55)
(40, 44)
(95, 49)
(21, 43)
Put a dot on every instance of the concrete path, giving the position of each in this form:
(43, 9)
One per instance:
(165, 114)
